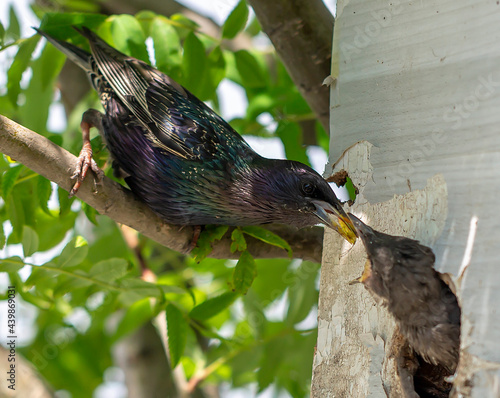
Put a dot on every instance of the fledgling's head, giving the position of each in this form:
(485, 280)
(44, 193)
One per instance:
(395, 263)
(400, 274)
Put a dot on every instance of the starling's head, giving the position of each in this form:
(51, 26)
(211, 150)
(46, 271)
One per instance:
(393, 261)
(299, 196)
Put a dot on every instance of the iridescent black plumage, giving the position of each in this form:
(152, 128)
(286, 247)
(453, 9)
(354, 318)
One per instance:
(400, 274)
(185, 161)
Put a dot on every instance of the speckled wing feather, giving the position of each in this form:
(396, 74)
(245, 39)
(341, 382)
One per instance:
(183, 160)
(173, 119)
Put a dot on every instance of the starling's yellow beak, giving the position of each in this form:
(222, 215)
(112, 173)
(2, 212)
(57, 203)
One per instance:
(335, 218)
(365, 275)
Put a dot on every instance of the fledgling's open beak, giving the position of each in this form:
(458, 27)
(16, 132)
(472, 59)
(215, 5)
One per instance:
(362, 230)
(335, 218)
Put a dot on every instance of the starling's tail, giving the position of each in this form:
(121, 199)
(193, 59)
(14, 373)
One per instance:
(99, 45)
(75, 54)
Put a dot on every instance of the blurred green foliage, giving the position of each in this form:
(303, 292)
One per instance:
(73, 259)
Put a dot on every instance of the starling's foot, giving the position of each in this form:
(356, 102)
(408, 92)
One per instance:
(85, 161)
(196, 235)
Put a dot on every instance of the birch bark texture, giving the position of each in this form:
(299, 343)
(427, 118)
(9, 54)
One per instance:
(415, 121)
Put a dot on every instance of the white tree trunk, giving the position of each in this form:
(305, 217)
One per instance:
(415, 104)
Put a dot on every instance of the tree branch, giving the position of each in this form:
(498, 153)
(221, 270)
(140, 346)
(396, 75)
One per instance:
(56, 164)
(302, 31)
(141, 357)
(29, 383)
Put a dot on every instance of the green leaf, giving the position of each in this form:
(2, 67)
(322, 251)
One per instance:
(15, 212)
(267, 236)
(244, 273)
(238, 241)
(109, 270)
(90, 212)
(210, 234)
(272, 357)
(9, 179)
(167, 46)
(253, 28)
(165, 289)
(51, 232)
(291, 136)
(74, 253)
(2, 236)
(137, 289)
(40, 92)
(13, 30)
(2, 34)
(262, 102)
(49, 65)
(41, 302)
(19, 65)
(70, 283)
(351, 189)
(213, 306)
(43, 192)
(38, 276)
(193, 62)
(137, 315)
(322, 137)
(11, 264)
(216, 71)
(30, 241)
(177, 329)
(129, 37)
(236, 21)
(186, 23)
(302, 293)
(60, 25)
(64, 201)
(146, 18)
(81, 5)
(255, 316)
(272, 280)
(249, 69)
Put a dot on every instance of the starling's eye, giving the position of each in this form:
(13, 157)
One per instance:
(307, 188)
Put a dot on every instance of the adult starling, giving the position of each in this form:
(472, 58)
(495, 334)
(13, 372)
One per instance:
(399, 273)
(185, 161)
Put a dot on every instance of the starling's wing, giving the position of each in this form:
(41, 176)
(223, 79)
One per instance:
(173, 118)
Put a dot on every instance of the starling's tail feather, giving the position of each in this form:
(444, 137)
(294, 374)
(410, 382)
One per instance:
(98, 44)
(74, 53)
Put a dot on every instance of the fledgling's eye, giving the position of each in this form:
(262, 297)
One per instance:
(307, 188)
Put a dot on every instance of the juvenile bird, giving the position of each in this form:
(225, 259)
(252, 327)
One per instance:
(185, 161)
(400, 274)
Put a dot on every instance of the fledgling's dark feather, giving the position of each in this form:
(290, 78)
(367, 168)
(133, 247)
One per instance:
(402, 277)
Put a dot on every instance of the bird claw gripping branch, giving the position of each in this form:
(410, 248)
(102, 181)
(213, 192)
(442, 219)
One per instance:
(85, 160)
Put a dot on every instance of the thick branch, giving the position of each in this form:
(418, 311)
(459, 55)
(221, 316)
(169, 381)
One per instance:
(141, 357)
(56, 164)
(29, 383)
(302, 31)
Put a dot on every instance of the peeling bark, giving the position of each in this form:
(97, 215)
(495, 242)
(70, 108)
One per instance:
(415, 100)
